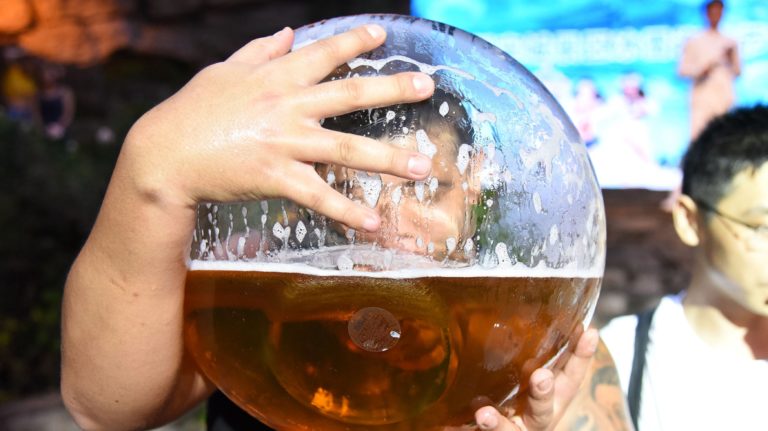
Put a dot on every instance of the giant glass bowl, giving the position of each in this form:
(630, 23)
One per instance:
(481, 273)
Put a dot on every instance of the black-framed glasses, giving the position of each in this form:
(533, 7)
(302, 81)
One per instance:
(759, 237)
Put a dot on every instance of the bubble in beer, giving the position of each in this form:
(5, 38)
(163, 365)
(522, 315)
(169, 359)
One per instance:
(433, 184)
(419, 190)
(425, 146)
(301, 231)
(462, 159)
(450, 244)
(371, 184)
(479, 273)
(397, 194)
(374, 329)
(502, 255)
(443, 109)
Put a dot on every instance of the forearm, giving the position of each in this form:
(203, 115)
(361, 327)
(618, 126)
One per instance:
(600, 404)
(693, 68)
(123, 360)
(735, 61)
(694, 65)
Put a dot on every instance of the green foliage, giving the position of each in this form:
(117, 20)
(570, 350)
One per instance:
(50, 196)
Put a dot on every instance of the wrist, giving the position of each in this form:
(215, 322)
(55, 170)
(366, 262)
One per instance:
(146, 220)
(153, 173)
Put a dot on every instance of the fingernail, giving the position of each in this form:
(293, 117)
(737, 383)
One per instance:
(419, 165)
(281, 31)
(545, 385)
(422, 83)
(594, 338)
(371, 224)
(487, 420)
(375, 31)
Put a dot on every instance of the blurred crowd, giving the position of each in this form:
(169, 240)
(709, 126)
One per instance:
(34, 93)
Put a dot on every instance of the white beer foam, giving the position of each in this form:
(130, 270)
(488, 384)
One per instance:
(517, 270)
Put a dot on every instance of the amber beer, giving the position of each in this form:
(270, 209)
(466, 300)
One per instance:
(415, 351)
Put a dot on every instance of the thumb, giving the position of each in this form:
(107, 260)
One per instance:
(264, 49)
(540, 411)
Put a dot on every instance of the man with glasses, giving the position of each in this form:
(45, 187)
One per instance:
(700, 359)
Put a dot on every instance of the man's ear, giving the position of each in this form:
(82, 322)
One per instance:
(685, 216)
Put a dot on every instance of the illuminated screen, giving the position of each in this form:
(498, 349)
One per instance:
(591, 53)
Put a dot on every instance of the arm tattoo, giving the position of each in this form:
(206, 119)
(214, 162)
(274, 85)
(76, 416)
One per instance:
(600, 404)
(604, 376)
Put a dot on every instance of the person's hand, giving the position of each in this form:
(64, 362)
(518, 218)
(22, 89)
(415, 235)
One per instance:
(249, 128)
(549, 393)
(729, 52)
(731, 59)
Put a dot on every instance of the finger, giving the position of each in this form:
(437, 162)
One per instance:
(315, 61)
(261, 50)
(540, 411)
(578, 363)
(352, 94)
(568, 381)
(308, 190)
(368, 155)
(488, 418)
(587, 344)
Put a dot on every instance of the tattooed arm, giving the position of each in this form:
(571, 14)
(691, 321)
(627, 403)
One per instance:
(600, 404)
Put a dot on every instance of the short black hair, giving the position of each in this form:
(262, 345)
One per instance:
(708, 4)
(729, 144)
(443, 109)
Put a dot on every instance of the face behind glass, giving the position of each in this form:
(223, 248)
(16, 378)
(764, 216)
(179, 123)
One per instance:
(432, 218)
(737, 261)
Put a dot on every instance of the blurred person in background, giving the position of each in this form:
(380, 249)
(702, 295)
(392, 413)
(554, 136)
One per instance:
(699, 360)
(19, 88)
(711, 60)
(623, 154)
(55, 103)
(588, 107)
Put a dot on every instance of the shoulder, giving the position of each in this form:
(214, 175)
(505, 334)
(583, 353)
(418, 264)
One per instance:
(731, 42)
(621, 330)
(726, 36)
(696, 38)
(620, 324)
(599, 404)
(619, 333)
(619, 337)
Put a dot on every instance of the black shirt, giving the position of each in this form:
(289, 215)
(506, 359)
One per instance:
(224, 415)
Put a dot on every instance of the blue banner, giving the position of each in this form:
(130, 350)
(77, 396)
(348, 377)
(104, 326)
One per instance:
(597, 55)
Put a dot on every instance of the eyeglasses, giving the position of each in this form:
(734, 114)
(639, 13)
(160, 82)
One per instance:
(758, 239)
